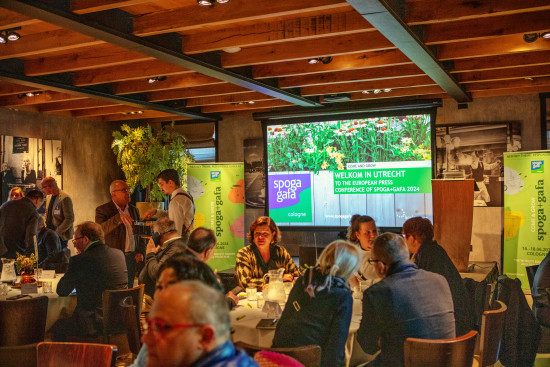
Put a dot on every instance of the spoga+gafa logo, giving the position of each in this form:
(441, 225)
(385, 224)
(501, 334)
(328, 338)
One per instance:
(215, 175)
(537, 166)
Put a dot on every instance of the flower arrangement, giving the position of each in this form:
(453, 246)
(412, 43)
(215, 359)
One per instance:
(25, 263)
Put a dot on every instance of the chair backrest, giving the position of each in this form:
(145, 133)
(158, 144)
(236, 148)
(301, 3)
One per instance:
(23, 321)
(456, 352)
(75, 354)
(531, 271)
(112, 312)
(308, 355)
(492, 329)
(18, 356)
(131, 321)
(265, 358)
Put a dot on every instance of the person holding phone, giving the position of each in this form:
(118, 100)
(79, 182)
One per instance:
(164, 243)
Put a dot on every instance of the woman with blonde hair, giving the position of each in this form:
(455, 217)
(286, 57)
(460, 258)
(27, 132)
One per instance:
(319, 307)
(16, 193)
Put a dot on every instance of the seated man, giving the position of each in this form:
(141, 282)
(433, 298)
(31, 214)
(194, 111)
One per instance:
(407, 302)
(189, 325)
(165, 243)
(541, 306)
(428, 255)
(49, 247)
(96, 268)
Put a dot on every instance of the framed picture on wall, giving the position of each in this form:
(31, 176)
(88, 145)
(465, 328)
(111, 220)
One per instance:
(26, 161)
(475, 151)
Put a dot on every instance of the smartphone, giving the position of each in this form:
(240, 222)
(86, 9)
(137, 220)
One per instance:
(17, 297)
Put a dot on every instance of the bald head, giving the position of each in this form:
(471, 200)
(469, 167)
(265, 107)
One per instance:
(120, 193)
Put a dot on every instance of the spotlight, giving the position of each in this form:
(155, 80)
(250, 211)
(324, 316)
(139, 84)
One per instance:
(376, 91)
(387, 90)
(156, 79)
(366, 92)
(545, 35)
(310, 61)
(204, 2)
(326, 59)
(222, 1)
(9, 35)
(530, 37)
(251, 102)
(3, 38)
(13, 36)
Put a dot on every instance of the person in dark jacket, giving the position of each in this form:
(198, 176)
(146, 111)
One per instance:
(407, 302)
(95, 269)
(49, 247)
(319, 307)
(428, 255)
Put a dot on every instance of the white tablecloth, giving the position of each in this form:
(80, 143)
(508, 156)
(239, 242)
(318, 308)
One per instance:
(246, 316)
(58, 307)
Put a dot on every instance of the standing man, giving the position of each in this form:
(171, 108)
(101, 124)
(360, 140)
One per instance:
(181, 209)
(59, 211)
(18, 223)
(407, 302)
(96, 268)
(116, 218)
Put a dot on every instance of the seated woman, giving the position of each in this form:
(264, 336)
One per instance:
(263, 254)
(319, 307)
(16, 193)
(362, 231)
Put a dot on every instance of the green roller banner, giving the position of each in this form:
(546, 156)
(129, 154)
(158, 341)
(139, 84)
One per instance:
(526, 212)
(218, 192)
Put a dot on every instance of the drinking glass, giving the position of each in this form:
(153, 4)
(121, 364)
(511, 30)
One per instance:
(260, 300)
(4, 289)
(47, 286)
(251, 293)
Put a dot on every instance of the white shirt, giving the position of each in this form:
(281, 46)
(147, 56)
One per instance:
(129, 244)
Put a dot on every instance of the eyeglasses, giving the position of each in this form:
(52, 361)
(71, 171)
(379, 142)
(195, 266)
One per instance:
(372, 261)
(77, 238)
(158, 327)
(262, 234)
(123, 190)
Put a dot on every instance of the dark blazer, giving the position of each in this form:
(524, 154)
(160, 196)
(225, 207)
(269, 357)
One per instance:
(97, 269)
(149, 273)
(49, 247)
(108, 217)
(434, 258)
(18, 219)
(408, 302)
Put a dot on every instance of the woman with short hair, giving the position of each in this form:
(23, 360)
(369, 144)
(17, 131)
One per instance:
(319, 307)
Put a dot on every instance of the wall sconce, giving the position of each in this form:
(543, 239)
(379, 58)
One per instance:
(532, 37)
(156, 79)
(325, 60)
(211, 2)
(9, 35)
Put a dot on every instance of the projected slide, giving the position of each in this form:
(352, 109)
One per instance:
(321, 173)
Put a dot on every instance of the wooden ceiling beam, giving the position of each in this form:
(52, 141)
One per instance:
(74, 105)
(386, 20)
(511, 91)
(230, 98)
(360, 86)
(489, 47)
(295, 29)
(145, 115)
(7, 89)
(196, 92)
(11, 19)
(501, 61)
(247, 107)
(45, 97)
(356, 75)
(401, 92)
(100, 111)
(172, 82)
(34, 44)
(345, 62)
(490, 27)
(290, 51)
(83, 25)
(430, 11)
(98, 56)
(508, 84)
(131, 71)
(504, 74)
(178, 20)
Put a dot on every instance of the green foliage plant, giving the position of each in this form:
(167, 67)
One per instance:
(142, 154)
(332, 145)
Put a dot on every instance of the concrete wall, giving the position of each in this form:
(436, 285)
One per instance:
(488, 222)
(89, 164)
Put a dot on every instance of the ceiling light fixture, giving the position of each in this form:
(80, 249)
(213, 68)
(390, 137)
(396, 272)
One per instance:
(325, 60)
(132, 113)
(231, 50)
(9, 35)
(29, 94)
(211, 2)
(532, 37)
(156, 79)
(376, 91)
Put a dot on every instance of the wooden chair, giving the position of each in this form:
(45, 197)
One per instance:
(531, 271)
(308, 355)
(18, 356)
(113, 320)
(131, 321)
(23, 321)
(456, 352)
(492, 329)
(75, 354)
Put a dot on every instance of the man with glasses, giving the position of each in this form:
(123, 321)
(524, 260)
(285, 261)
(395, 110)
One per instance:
(407, 302)
(189, 325)
(96, 268)
(59, 210)
(116, 219)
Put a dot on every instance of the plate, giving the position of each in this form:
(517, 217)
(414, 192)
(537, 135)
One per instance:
(18, 285)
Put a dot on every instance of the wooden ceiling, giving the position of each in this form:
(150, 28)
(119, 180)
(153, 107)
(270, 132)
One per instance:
(92, 58)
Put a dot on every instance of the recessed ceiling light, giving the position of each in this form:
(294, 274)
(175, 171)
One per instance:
(231, 50)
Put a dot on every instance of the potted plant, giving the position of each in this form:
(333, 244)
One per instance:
(142, 154)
